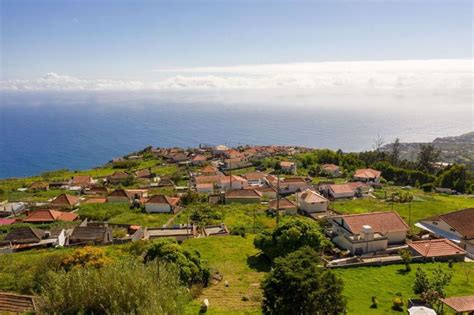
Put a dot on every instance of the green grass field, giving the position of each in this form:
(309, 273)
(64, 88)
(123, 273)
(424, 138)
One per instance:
(424, 205)
(236, 259)
(360, 284)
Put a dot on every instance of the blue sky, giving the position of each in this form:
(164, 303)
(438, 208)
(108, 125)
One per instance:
(127, 39)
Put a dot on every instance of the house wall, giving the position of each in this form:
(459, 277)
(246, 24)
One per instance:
(61, 238)
(292, 187)
(364, 247)
(157, 208)
(242, 200)
(397, 237)
(341, 195)
(314, 207)
(118, 199)
(205, 190)
(469, 247)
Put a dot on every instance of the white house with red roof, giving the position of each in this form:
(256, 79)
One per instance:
(310, 201)
(161, 204)
(368, 232)
(367, 175)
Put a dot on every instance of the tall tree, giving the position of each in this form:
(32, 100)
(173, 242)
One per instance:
(299, 285)
(378, 142)
(427, 157)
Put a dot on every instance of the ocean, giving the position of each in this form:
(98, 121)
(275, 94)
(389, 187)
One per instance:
(35, 139)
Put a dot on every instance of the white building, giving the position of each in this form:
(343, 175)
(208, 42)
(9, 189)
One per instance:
(161, 204)
(310, 201)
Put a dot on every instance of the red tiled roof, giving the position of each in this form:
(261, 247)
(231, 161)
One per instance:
(207, 179)
(95, 200)
(80, 180)
(246, 193)
(283, 204)
(436, 248)
(293, 180)
(65, 199)
(341, 188)
(199, 158)
(367, 173)
(255, 175)
(381, 222)
(331, 167)
(45, 215)
(119, 193)
(460, 303)
(6, 221)
(162, 199)
(310, 196)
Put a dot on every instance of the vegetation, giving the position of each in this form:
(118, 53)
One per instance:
(192, 269)
(298, 285)
(433, 288)
(290, 237)
(126, 286)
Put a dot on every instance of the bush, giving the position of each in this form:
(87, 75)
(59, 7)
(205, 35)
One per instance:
(88, 256)
(238, 230)
(429, 187)
(290, 237)
(192, 270)
(125, 287)
(397, 304)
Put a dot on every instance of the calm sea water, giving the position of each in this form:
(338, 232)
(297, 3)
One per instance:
(36, 139)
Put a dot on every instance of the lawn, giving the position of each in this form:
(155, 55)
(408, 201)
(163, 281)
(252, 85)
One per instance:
(360, 284)
(120, 213)
(235, 258)
(423, 206)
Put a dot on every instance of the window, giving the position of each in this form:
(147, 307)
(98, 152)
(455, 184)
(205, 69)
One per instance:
(452, 230)
(435, 223)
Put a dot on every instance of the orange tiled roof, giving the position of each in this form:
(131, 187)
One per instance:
(46, 215)
(436, 248)
(65, 199)
(460, 303)
(382, 222)
(367, 173)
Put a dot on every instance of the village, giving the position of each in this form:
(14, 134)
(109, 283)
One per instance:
(220, 191)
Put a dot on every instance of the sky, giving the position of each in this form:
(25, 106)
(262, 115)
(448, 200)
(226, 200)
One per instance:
(308, 46)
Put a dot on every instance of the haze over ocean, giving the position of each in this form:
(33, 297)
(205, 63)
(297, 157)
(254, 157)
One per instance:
(47, 137)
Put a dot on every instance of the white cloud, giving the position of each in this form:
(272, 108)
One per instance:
(398, 78)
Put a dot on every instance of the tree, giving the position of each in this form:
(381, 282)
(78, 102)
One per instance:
(289, 237)
(378, 142)
(432, 289)
(192, 269)
(427, 156)
(88, 256)
(298, 285)
(395, 152)
(406, 256)
(455, 177)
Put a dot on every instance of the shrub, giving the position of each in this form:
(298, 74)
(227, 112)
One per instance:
(375, 302)
(192, 269)
(429, 187)
(125, 287)
(397, 304)
(88, 256)
(238, 230)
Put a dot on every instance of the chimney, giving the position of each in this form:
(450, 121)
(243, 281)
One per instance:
(367, 233)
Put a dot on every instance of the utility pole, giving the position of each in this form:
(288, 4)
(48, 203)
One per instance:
(409, 215)
(278, 200)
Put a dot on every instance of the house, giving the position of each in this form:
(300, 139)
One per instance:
(209, 170)
(49, 216)
(310, 201)
(97, 190)
(12, 208)
(205, 188)
(284, 206)
(290, 185)
(162, 204)
(368, 232)
(143, 173)
(232, 182)
(460, 304)
(233, 154)
(39, 186)
(82, 181)
(457, 226)
(166, 182)
(255, 178)
(28, 237)
(180, 233)
(91, 234)
(340, 191)
(118, 195)
(243, 196)
(137, 194)
(288, 167)
(117, 177)
(367, 175)
(267, 192)
(220, 149)
(438, 249)
(198, 159)
(178, 157)
(11, 303)
(235, 163)
(331, 170)
(65, 201)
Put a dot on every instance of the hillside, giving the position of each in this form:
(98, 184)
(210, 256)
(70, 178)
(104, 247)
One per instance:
(458, 149)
